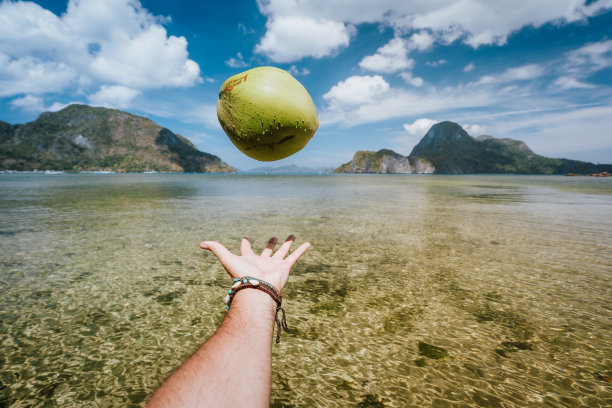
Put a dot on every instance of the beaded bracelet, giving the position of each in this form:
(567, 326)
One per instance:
(247, 282)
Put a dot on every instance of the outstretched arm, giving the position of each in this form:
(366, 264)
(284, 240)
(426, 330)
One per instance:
(233, 368)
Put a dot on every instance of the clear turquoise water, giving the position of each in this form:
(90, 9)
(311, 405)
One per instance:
(105, 291)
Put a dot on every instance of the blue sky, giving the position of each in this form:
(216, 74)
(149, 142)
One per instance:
(380, 72)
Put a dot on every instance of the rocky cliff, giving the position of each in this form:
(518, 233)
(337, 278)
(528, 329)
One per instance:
(447, 148)
(385, 161)
(81, 137)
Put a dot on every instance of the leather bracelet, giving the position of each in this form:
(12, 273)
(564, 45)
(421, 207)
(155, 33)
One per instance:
(248, 282)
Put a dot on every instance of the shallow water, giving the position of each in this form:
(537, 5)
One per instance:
(105, 291)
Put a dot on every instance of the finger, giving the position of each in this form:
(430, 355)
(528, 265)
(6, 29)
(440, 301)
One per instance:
(222, 253)
(270, 247)
(284, 249)
(245, 246)
(295, 255)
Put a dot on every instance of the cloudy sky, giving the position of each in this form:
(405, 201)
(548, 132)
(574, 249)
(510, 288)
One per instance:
(380, 72)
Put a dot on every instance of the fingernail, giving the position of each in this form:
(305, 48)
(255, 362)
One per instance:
(247, 238)
(203, 245)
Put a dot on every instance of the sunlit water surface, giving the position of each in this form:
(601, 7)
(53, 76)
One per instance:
(105, 291)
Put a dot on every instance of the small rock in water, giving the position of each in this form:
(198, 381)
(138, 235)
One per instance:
(371, 401)
(168, 298)
(420, 362)
(501, 352)
(431, 351)
(513, 346)
(517, 345)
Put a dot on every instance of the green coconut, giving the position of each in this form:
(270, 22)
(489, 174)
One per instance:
(266, 113)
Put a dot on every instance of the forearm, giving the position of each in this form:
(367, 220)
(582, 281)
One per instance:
(233, 368)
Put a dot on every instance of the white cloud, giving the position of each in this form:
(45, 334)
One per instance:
(474, 130)
(113, 96)
(421, 41)
(188, 109)
(581, 63)
(578, 65)
(29, 75)
(354, 109)
(451, 34)
(34, 103)
(412, 80)
(29, 103)
(294, 70)
(292, 38)
(474, 22)
(522, 73)
(148, 59)
(556, 133)
(390, 58)
(360, 106)
(199, 138)
(571, 83)
(237, 62)
(94, 43)
(436, 63)
(419, 127)
(356, 90)
(469, 67)
(245, 30)
(203, 113)
(508, 91)
(590, 58)
(491, 22)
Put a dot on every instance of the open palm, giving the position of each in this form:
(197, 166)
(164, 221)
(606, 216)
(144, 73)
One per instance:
(269, 266)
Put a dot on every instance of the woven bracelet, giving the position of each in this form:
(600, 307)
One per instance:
(248, 282)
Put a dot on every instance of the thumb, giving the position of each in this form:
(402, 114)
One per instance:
(222, 253)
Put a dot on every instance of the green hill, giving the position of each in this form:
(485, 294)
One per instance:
(81, 137)
(447, 148)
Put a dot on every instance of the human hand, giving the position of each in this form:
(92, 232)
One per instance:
(269, 266)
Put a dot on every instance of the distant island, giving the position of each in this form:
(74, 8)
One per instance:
(448, 149)
(85, 138)
(289, 169)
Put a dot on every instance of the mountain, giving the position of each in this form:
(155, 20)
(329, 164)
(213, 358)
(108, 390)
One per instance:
(447, 148)
(451, 150)
(81, 137)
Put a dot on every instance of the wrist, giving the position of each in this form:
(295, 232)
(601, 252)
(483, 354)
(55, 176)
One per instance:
(255, 302)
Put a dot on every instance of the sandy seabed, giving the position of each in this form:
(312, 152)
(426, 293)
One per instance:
(418, 290)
